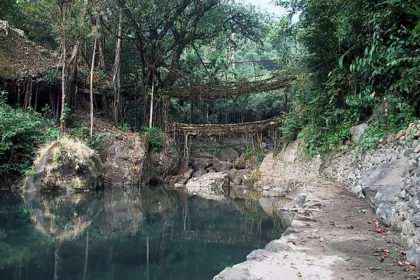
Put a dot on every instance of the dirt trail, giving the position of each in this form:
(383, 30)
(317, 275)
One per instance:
(336, 236)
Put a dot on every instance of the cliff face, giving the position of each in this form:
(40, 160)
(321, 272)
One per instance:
(20, 57)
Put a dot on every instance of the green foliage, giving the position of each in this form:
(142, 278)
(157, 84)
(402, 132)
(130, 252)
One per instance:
(154, 138)
(22, 132)
(83, 133)
(125, 127)
(391, 116)
(97, 139)
(256, 154)
(363, 67)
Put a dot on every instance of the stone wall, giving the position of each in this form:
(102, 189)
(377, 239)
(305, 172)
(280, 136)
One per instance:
(388, 176)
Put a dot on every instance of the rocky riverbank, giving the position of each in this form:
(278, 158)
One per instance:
(336, 233)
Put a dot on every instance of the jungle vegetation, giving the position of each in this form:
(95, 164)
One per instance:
(354, 62)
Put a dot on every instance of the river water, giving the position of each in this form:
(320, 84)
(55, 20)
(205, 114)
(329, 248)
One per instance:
(144, 233)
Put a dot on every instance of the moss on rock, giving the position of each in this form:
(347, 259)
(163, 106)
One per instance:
(66, 165)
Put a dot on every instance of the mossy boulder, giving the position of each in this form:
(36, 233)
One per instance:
(66, 165)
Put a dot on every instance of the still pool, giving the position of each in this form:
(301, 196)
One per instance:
(143, 234)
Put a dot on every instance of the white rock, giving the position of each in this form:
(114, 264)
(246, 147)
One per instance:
(209, 186)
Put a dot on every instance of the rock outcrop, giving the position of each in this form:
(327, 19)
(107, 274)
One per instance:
(123, 159)
(161, 163)
(211, 185)
(66, 165)
(388, 176)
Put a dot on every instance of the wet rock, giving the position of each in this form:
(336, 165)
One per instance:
(210, 185)
(221, 165)
(66, 165)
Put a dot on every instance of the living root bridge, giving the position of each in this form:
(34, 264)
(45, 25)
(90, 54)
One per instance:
(252, 130)
(225, 129)
(230, 89)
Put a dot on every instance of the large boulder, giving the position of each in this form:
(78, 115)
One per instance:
(201, 163)
(211, 185)
(66, 165)
(123, 159)
(220, 165)
(382, 187)
(228, 154)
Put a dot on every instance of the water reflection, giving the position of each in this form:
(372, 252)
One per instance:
(133, 234)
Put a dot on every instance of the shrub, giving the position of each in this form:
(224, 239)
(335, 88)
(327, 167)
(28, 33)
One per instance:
(154, 138)
(21, 133)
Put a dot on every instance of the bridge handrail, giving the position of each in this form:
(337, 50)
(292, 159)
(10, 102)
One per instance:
(220, 129)
(229, 89)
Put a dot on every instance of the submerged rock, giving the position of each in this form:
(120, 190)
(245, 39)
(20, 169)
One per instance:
(211, 185)
(66, 165)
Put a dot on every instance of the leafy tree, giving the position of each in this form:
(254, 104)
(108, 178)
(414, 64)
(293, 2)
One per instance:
(21, 134)
(362, 61)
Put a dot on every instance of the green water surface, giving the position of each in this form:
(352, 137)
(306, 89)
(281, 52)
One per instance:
(133, 234)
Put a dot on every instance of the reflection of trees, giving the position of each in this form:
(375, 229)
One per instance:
(150, 228)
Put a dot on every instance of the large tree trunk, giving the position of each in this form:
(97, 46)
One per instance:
(91, 86)
(116, 71)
